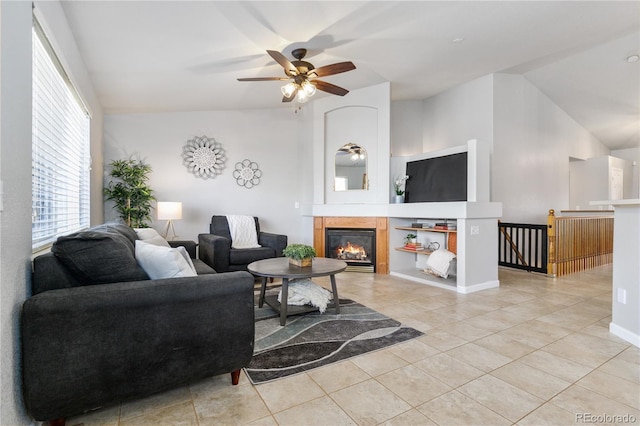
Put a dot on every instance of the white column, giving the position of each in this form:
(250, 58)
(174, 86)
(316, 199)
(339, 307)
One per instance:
(625, 320)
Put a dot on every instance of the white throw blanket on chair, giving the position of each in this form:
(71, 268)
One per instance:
(303, 291)
(243, 232)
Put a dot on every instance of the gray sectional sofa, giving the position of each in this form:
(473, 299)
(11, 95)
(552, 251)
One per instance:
(97, 331)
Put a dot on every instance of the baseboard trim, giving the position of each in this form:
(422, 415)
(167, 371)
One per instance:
(625, 334)
(478, 287)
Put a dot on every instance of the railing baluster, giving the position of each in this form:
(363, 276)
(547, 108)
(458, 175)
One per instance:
(565, 245)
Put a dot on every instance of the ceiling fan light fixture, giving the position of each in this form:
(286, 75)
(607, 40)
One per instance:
(301, 76)
(301, 96)
(288, 89)
(308, 88)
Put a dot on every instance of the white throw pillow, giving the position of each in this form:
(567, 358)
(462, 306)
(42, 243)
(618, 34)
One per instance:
(151, 236)
(439, 262)
(164, 262)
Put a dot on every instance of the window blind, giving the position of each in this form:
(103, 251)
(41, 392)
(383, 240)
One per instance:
(60, 161)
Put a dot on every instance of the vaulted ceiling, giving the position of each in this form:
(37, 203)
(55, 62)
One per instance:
(151, 56)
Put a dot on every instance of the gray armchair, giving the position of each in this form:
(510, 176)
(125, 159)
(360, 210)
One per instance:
(216, 251)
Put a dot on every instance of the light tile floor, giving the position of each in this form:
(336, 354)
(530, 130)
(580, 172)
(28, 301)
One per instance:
(535, 351)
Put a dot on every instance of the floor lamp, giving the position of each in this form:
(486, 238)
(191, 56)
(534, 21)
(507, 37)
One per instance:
(169, 211)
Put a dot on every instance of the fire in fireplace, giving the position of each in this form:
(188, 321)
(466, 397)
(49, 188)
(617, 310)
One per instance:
(355, 246)
(352, 252)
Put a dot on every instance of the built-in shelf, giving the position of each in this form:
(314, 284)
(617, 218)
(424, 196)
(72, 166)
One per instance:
(408, 228)
(413, 267)
(417, 275)
(414, 251)
(450, 242)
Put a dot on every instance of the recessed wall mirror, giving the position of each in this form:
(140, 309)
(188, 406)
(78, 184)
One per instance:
(351, 168)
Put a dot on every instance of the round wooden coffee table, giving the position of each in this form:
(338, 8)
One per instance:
(279, 267)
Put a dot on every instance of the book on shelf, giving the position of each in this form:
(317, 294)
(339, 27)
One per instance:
(413, 246)
(441, 226)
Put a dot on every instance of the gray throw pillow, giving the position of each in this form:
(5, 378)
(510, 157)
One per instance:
(119, 228)
(97, 257)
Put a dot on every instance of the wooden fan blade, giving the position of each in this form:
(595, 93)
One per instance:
(289, 68)
(290, 98)
(332, 69)
(263, 79)
(330, 88)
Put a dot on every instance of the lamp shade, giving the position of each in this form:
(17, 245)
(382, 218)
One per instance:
(168, 210)
(288, 89)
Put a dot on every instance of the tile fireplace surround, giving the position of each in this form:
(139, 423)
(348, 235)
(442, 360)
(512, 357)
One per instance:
(380, 224)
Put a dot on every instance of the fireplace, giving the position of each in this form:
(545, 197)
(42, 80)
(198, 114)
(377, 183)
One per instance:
(357, 247)
(379, 224)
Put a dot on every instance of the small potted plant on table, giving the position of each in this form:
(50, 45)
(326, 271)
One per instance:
(299, 254)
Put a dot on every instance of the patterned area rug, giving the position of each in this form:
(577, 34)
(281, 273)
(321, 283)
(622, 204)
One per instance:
(313, 340)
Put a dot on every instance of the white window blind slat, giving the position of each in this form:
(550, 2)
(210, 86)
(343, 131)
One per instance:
(60, 159)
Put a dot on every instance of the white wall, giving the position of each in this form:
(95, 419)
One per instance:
(15, 173)
(632, 155)
(15, 218)
(457, 115)
(406, 128)
(533, 141)
(625, 317)
(269, 138)
(590, 180)
(577, 189)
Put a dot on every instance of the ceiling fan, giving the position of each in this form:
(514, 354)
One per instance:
(302, 76)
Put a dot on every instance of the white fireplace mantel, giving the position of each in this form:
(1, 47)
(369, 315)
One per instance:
(454, 210)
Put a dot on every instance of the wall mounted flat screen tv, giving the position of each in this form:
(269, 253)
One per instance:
(437, 179)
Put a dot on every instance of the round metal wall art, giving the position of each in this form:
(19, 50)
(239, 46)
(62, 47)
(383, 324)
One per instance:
(204, 157)
(247, 174)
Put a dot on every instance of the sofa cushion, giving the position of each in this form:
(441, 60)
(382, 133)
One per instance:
(118, 228)
(246, 256)
(164, 262)
(51, 274)
(151, 236)
(202, 268)
(97, 256)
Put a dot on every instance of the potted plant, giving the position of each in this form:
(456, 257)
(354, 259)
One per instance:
(299, 254)
(129, 191)
(410, 238)
(398, 188)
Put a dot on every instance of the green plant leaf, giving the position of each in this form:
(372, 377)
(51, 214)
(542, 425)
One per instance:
(129, 191)
(299, 251)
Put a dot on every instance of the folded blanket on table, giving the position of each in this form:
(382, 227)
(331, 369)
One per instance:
(305, 292)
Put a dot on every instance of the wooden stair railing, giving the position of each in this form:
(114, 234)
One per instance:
(577, 243)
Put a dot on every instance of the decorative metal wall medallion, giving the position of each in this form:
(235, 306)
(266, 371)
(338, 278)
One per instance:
(204, 157)
(247, 174)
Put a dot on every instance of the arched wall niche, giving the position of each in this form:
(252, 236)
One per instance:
(362, 117)
(351, 124)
